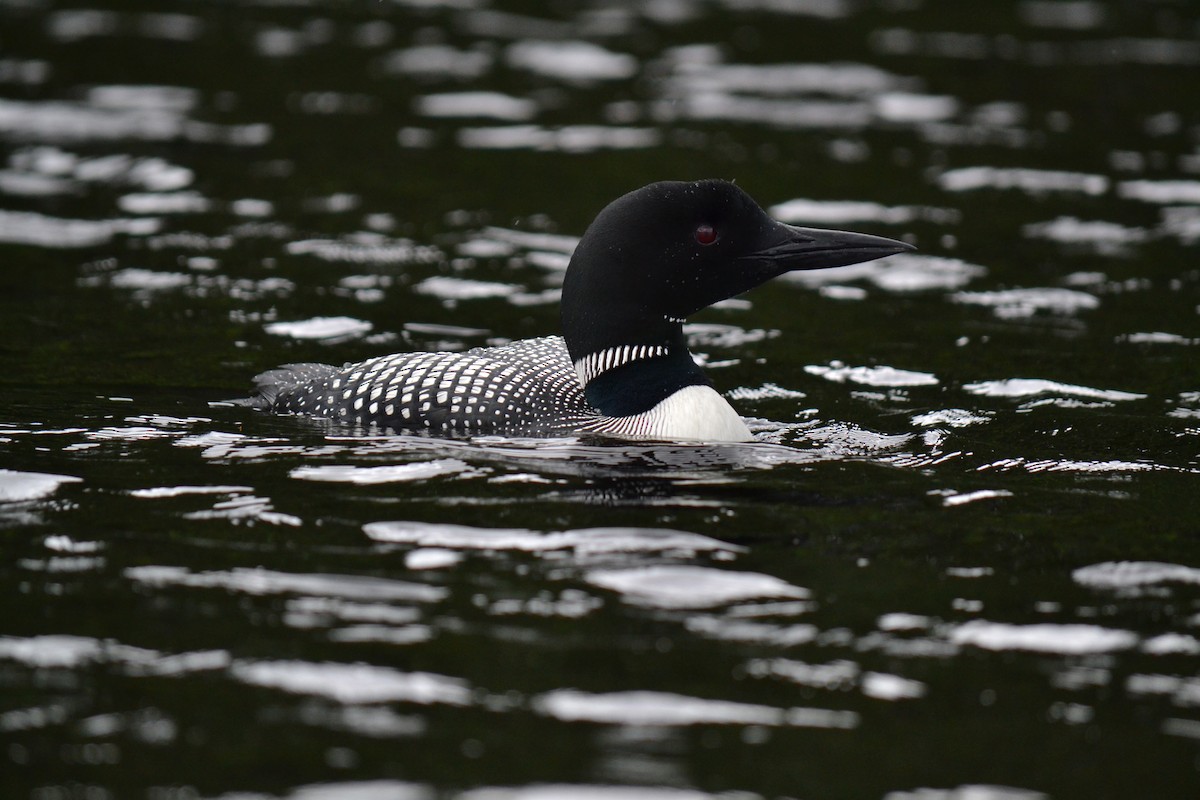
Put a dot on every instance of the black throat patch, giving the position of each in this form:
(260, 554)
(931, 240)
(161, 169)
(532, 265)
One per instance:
(639, 386)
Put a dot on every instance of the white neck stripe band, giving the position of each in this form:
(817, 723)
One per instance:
(602, 361)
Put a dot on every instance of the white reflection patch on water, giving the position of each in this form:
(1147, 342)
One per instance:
(899, 273)
(145, 282)
(969, 572)
(39, 230)
(767, 391)
(840, 212)
(1188, 728)
(785, 113)
(348, 719)
(60, 543)
(844, 440)
(28, 184)
(17, 486)
(1182, 222)
(386, 634)
(834, 676)
(1165, 192)
(252, 207)
(533, 240)
(1077, 677)
(1171, 644)
(366, 248)
(1024, 303)
(1031, 181)
(1033, 387)
(148, 280)
(62, 564)
(354, 683)
(686, 586)
(698, 70)
(568, 604)
(1134, 574)
(173, 98)
(903, 621)
(493, 105)
(1108, 238)
(1067, 465)
(885, 686)
(431, 558)
(67, 651)
(1075, 15)
(975, 46)
(268, 582)
(24, 72)
(951, 418)
(132, 433)
(72, 25)
(51, 650)
(1069, 639)
(247, 509)
(219, 444)
(61, 121)
(838, 372)
(48, 170)
(439, 61)
(374, 721)
(823, 9)
(363, 288)
(583, 541)
(722, 335)
(835, 292)
(910, 107)
(24, 719)
(1156, 337)
(576, 791)
(952, 497)
(670, 710)
(741, 630)
(189, 202)
(575, 62)
(971, 791)
(311, 611)
(329, 329)
(452, 290)
(440, 330)
(396, 473)
(1182, 691)
(567, 139)
(1189, 408)
(484, 248)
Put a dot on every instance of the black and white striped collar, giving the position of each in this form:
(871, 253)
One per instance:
(594, 364)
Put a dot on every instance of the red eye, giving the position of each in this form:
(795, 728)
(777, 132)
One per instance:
(706, 234)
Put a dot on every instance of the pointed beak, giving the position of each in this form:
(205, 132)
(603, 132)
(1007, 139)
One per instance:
(814, 248)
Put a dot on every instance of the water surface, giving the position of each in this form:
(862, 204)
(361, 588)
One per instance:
(960, 560)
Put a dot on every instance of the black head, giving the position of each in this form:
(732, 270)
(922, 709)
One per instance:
(667, 250)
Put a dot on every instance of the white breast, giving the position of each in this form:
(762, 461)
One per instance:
(694, 412)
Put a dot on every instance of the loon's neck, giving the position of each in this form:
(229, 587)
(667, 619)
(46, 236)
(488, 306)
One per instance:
(656, 391)
(627, 358)
(648, 375)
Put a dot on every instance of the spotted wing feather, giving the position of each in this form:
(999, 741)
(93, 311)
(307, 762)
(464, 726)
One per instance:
(524, 388)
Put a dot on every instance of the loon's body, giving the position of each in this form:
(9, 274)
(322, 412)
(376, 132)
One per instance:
(527, 388)
(650, 259)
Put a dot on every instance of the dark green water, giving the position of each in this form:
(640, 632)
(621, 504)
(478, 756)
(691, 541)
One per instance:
(962, 562)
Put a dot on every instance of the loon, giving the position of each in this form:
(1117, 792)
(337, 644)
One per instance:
(622, 368)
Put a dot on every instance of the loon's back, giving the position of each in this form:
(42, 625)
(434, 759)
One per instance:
(527, 388)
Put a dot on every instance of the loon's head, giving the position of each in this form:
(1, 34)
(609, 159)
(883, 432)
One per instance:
(661, 253)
